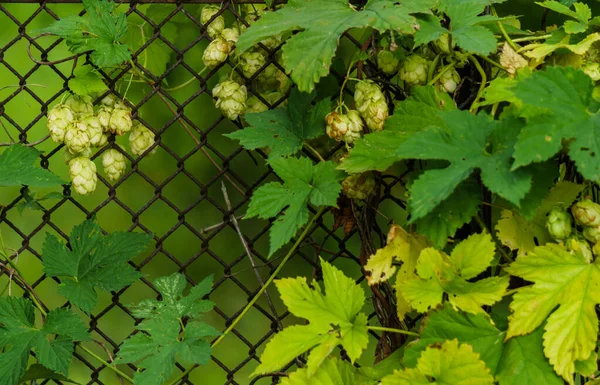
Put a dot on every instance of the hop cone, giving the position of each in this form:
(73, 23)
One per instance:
(586, 213)
(87, 153)
(77, 138)
(359, 186)
(371, 104)
(448, 81)
(216, 52)
(592, 70)
(60, 119)
(231, 35)
(217, 25)
(413, 70)
(80, 105)
(346, 127)
(114, 164)
(140, 139)
(387, 62)
(95, 130)
(120, 119)
(83, 175)
(231, 98)
(592, 234)
(444, 43)
(558, 223)
(251, 62)
(579, 245)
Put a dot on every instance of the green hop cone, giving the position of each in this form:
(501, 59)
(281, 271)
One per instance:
(592, 234)
(387, 62)
(216, 52)
(60, 119)
(448, 81)
(250, 62)
(347, 127)
(254, 104)
(68, 156)
(253, 10)
(231, 98)
(217, 25)
(104, 113)
(359, 186)
(558, 223)
(371, 104)
(269, 78)
(444, 44)
(140, 139)
(80, 105)
(592, 70)
(120, 119)
(577, 244)
(231, 35)
(586, 213)
(95, 130)
(413, 70)
(272, 42)
(77, 138)
(114, 164)
(83, 175)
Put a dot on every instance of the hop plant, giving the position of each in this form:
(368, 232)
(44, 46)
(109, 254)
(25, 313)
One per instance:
(104, 113)
(254, 104)
(586, 213)
(448, 81)
(371, 104)
(255, 10)
(413, 70)
(140, 139)
(359, 186)
(120, 119)
(87, 153)
(269, 78)
(60, 119)
(95, 130)
(231, 35)
(231, 98)
(592, 234)
(592, 70)
(444, 44)
(83, 175)
(80, 105)
(558, 223)
(77, 138)
(579, 245)
(216, 52)
(216, 26)
(114, 164)
(387, 62)
(250, 62)
(347, 127)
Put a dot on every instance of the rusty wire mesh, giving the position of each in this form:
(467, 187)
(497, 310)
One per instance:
(175, 194)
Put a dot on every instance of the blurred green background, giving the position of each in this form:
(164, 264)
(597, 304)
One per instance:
(173, 207)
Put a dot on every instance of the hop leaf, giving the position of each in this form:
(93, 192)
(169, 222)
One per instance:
(304, 183)
(284, 131)
(333, 371)
(100, 33)
(93, 261)
(17, 168)
(520, 360)
(308, 54)
(86, 81)
(158, 350)
(440, 274)
(18, 335)
(448, 363)
(567, 300)
(334, 318)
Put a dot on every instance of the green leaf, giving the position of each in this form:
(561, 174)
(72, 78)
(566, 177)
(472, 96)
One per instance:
(378, 150)
(101, 33)
(468, 142)
(451, 214)
(334, 318)
(582, 14)
(94, 261)
(308, 54)
(31, 202)
(285, 131)
(17, 168)
(303, 184)
(86, 81)
(518, 361)
(522, 234)
(447, 364)
(464, 28)
(441, 274)
(565, 293)
(333, 371)
(39, 372)
(53, 343)
(164, 343)
(576, 120)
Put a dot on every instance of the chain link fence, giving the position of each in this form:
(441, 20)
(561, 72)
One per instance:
(191, 194)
